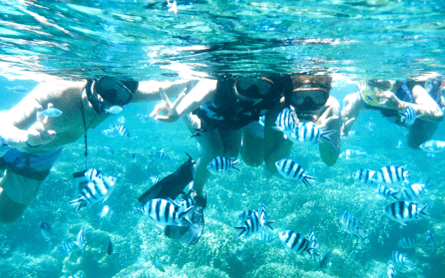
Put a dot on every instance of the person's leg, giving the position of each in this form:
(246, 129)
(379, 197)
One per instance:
(420, 132)
(15, 194)
(211, 146)
(231, 140)
(253, 145)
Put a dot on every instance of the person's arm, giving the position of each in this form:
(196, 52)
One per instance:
(331, 120)
(352, 105)
(201, 92)
(21, 128)
(424, 105)
(151, 90)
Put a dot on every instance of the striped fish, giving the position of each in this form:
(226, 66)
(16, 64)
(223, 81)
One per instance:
(391, 175)
(292, 170)
(66, 248)
(121, 130)
(97, 190)
(363, 176)
(350, 224)
(402, 211)
(266, 237)
(308, 132)
(160, 155)
(111, 132)
(251, 225)
(187, 202)
(166, 212)
(400, 259)
(433, 146)
(295, 242)
(414, 191)
(407, 242)
(387, 192)
(285, 122)
(408, 115)
(391, 269)
(245, 214)
(222, 165)
(80, 241)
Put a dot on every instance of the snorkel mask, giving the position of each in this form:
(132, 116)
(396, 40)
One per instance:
(369, 88)
(309, 92)
(111, 90)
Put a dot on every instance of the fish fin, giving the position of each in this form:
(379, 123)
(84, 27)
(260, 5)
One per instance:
(394, 195)
(424, 213)
(307, 179)
(243, 229)
(80, 202)
(269, 224)
(236, 168)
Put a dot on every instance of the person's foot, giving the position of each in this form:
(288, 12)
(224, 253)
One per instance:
(190, 234)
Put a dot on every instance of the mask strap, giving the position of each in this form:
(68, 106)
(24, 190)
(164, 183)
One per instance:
(87, 87)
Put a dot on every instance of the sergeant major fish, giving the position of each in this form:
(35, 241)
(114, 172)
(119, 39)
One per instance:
(295, 242)
(222, 165)
(408, 115)
(292, 170)
(160, 155)
(350, 224)
(391, 174)
(402, 211)
(414, 191)
(166, 212)
(98, 189)
(308, 132)
(400, 259)
(363, 176)
(285, 122)
(391, 269)
(407, 242)
(387, 192)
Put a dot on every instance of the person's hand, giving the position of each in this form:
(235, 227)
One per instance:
(37, 133)
(346, 126)
(387, 100)
(166, 111)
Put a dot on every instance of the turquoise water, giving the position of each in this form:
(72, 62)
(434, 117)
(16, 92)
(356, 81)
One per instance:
(354, 39)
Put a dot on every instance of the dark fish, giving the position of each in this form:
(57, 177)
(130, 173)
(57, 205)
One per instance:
(325, 260)
(110, 247)
(134, 155)
(45, 230)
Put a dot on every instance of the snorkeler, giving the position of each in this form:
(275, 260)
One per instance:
(220, 113)
(406, 103)
(30, 147)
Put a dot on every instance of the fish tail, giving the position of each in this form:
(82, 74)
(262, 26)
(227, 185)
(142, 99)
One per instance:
(424, 213)
(243, 229)
(80, 202)
(307, 180)
(236, 168)
(394, 195)
(269, 224)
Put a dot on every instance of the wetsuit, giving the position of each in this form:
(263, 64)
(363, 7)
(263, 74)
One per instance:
(230, 111)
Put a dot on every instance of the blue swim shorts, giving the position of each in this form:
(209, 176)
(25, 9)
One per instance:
(35, 167)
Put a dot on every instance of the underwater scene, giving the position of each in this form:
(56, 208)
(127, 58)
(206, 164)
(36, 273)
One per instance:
(349, 224)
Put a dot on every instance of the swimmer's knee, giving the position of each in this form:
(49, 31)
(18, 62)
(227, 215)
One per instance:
(10, 210)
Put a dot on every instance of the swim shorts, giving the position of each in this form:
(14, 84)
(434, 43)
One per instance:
(35, 167)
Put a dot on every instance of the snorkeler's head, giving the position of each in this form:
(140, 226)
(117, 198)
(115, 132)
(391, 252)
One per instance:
(310, 92)
(112, 90)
